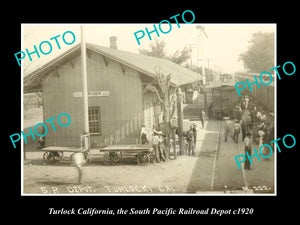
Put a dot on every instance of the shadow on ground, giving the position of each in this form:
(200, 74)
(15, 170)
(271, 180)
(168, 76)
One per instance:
(202, 173)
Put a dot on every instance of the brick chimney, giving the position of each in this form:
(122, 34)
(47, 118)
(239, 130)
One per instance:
(113, 42)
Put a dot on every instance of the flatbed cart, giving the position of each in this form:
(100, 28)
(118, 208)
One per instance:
(114, 153)
(55, 153)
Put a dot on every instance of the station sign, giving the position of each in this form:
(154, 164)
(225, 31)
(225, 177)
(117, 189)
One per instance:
(92, 94)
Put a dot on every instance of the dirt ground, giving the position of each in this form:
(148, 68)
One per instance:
(125, 177)
(203, 173)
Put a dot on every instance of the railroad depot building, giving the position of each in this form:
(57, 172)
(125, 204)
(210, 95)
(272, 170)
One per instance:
(118, 102)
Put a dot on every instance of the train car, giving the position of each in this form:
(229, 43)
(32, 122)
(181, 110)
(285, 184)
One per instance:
(224, 97)
(265, 94)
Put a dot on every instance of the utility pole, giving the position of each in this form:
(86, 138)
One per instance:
(202, 33)
(180, 121)
(191, 46)
(84, 82)
(202, 56)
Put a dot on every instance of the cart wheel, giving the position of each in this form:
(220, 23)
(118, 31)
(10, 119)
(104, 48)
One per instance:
(143, 157)
(111, 158)
(152, 157)
(72, 157)
(50, 157)
(55, 156)
(46, 156)
(60, 155)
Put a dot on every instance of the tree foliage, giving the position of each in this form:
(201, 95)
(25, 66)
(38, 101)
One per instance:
(260, 54)
(157, 49)
(160, 85)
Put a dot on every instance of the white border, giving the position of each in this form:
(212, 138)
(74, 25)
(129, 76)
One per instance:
(162, 194)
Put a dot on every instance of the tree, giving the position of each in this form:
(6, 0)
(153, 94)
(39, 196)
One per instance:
(180, 57)
(260, 54)
(157, 49)
(160, 86)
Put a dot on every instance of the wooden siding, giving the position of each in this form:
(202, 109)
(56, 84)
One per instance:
(58, 88)
(121, 112)
(150, 112)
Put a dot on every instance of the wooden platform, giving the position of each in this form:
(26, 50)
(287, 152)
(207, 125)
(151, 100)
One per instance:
(62, 149)
(127, 148)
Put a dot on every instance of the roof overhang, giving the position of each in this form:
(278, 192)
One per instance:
(35, 78)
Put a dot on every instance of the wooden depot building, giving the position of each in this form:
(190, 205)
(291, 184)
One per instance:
(118, 103)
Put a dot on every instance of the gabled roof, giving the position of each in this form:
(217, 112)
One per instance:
(142, 63)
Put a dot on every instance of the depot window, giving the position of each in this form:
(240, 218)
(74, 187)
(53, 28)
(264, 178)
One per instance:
(94, 120)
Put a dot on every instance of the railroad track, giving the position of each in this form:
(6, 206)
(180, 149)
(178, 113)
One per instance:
(215, 157)
(215, 161)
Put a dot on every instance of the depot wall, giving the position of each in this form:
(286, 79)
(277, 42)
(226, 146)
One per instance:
(121, 112)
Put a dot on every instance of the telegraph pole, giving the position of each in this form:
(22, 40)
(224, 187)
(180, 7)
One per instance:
(180, 121)
(202, 33)
(84, 82)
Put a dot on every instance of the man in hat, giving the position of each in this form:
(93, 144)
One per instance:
(236, 130)
(158, 146)
(155, 143)
(190, 141)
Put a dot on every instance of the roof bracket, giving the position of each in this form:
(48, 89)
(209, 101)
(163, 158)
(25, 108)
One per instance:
(71, 63)
(105, 61)
(89, 54)
(122, 68)
(56, 73)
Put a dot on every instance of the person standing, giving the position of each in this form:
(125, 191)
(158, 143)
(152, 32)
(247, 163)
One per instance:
(236, 113)
(243, 129)
(201, 118)
(161, 146)
(246, 102)
(155, 143)
(228, 127)
(253, 115)
(78, 161)
(248, 143)
(262, 140)
(190, 141)
(194, 134)
(236, 131)
(144, 135)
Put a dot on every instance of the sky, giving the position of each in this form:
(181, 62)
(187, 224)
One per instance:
(220, 50)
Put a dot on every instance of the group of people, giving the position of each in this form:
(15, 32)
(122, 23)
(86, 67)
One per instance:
(157, 141)
(252, 123)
